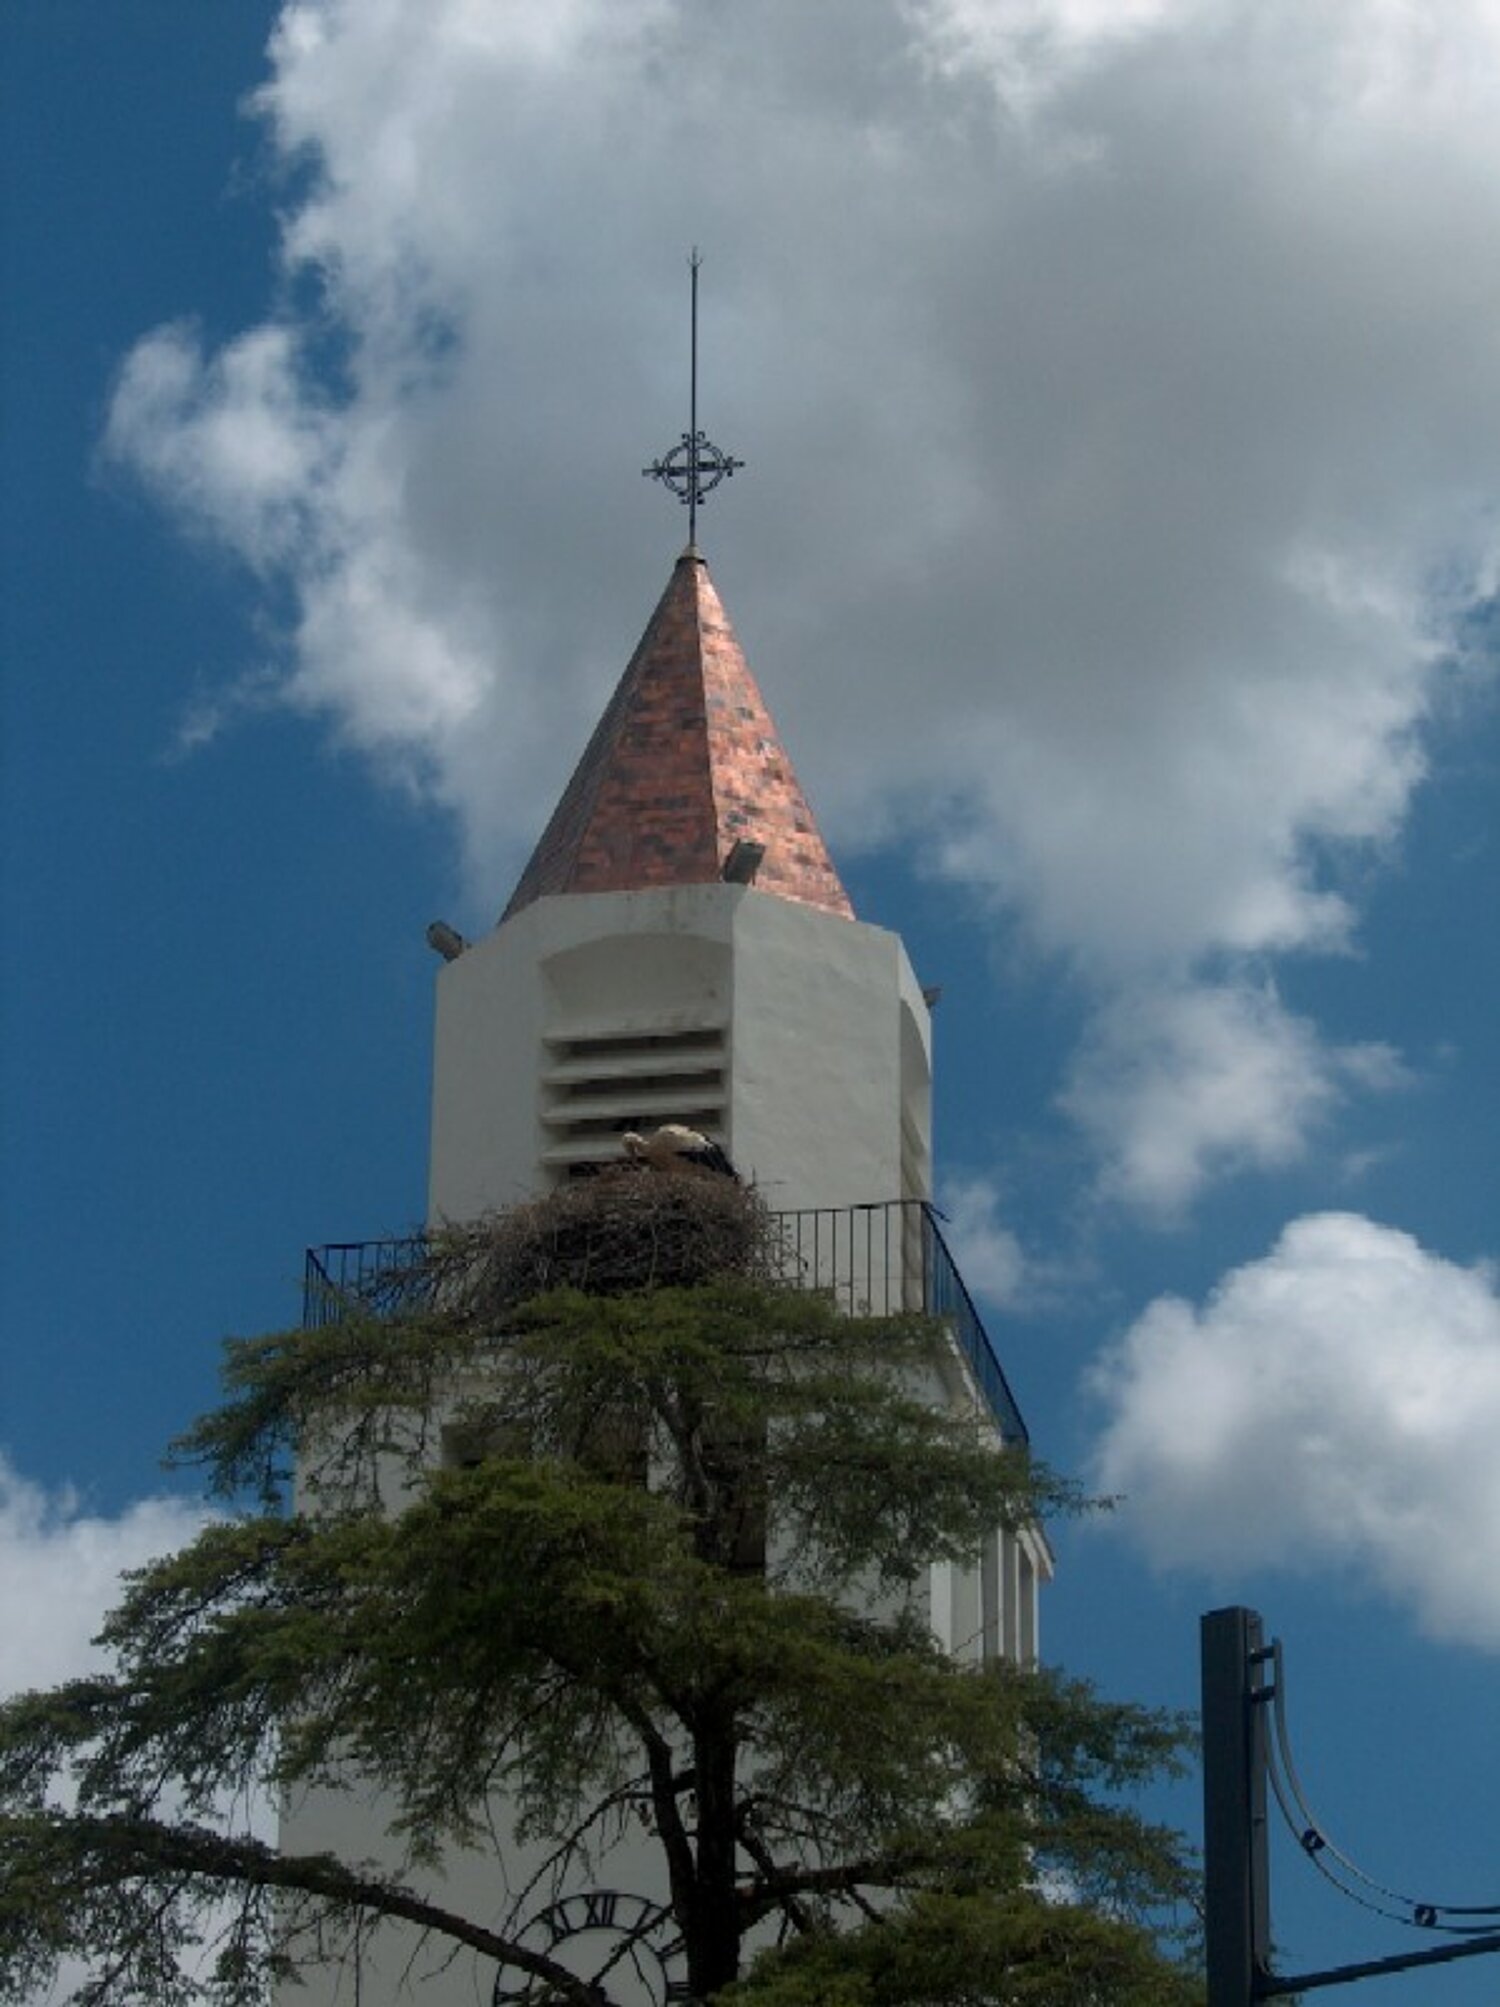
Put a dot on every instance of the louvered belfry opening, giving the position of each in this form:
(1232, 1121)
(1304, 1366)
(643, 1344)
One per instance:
(596, 1088)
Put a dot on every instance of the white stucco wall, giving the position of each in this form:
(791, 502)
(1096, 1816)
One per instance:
(827, 1039)
(501, 1887)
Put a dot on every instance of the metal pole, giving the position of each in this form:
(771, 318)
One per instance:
(694, 262)
(1237, 1920)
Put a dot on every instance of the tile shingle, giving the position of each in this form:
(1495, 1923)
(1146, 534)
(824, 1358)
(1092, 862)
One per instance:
(684, 761)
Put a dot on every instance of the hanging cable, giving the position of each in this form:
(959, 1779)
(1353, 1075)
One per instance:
(1314, 1841)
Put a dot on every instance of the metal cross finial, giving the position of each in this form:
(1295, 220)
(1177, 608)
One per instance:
(695, 466)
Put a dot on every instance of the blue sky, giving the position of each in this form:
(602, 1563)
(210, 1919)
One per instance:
(1120, 395)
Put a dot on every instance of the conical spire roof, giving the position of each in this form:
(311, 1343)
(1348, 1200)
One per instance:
(684, 763)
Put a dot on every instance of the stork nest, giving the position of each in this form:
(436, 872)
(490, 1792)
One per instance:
(630, 1228)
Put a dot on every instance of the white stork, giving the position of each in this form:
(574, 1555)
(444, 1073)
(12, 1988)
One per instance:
(672, 1146)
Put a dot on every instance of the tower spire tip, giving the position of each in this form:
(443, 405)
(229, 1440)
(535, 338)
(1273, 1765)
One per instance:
(695, 466)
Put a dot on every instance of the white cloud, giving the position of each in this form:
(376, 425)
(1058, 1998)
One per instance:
(237, 441)
(989, 1256)
(60, 1569)
(1117, 379)
(60, 1574)
(1029, 49)
(1334, 1404)
(1177, 1086)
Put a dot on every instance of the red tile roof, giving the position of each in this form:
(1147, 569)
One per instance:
(684, 762)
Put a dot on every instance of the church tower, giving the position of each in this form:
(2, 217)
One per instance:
(679, 949)
(678, 954)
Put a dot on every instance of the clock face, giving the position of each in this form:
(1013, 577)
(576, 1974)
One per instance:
(623, 1943)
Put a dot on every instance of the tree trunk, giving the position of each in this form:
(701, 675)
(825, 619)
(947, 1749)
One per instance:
(713, 1938)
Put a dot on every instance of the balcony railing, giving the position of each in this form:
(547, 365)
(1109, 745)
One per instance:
(874, 1260)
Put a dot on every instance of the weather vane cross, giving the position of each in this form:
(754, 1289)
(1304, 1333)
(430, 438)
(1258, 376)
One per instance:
(695, 466)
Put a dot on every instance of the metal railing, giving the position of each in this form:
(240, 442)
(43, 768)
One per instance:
(874, 1260)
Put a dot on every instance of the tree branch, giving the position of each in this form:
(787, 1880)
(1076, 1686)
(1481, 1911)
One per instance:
(782, 1886)
(140, 1849)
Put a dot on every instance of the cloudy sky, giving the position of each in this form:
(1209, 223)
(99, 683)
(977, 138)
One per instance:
(1119, 387)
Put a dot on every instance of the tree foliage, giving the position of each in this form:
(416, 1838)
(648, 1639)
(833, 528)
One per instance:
(657, 1557)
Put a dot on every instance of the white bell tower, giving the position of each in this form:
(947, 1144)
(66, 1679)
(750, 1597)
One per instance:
(679, 949)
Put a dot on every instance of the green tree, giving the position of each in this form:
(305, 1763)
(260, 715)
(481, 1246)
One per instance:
(656, 1554)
